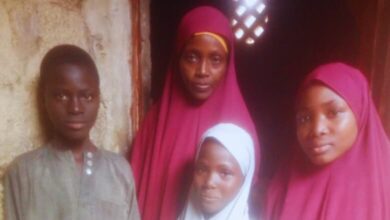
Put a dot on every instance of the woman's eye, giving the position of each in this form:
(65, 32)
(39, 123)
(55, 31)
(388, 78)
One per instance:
(333, 113)
(191, 57)
(216, 59)
(301, 119)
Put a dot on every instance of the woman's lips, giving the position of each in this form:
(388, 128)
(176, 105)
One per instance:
(321, 148)
(201, 87)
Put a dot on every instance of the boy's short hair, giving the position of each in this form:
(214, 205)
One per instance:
(66, 54)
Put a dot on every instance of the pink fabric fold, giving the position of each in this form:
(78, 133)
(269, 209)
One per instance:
(164, 148)
(354, 187)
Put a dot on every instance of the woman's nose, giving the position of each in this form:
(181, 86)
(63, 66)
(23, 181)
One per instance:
(320, 126)
(203, 68)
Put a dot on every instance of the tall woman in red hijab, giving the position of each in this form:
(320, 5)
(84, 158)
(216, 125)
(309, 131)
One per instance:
(342, 169)
(200, 90)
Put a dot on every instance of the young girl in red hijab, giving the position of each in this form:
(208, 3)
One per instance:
(342, 169)
(200, 90)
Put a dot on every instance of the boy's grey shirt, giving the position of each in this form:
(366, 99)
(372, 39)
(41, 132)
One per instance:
(46, 184)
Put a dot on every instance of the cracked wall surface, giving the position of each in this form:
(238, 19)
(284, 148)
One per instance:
(28, 29)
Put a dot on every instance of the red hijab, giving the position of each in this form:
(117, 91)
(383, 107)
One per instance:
(354, 187)
(165, 146)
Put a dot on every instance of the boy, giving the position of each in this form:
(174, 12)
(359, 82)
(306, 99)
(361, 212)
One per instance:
(69, 178)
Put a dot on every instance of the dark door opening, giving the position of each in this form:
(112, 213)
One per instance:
(300, 35)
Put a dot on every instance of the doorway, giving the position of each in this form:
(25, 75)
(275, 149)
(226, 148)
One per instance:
(299, 36)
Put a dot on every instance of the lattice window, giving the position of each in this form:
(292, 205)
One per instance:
(249, 20)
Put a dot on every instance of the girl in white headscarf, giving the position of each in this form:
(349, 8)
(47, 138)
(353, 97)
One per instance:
(222, 178)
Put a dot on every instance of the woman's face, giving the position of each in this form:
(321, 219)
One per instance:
(72, 102)
(326, 126)
(217, 177)
(202, 65)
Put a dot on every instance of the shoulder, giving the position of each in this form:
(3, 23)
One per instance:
(119, 167)
(114, 158)
(21, 168)
(146, 132)
(151, 118)
(27, 159)
(117, 163)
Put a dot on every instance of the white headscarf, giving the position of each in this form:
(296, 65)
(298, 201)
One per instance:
(240, 145)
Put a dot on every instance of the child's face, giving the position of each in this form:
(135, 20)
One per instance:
(326, 126)
(72, 101)
(217, 177)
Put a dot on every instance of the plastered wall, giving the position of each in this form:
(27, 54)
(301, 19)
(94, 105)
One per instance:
(28, 29)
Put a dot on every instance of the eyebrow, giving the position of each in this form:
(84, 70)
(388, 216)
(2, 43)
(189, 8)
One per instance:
(327, 103)
(190, 49)
(86, 89)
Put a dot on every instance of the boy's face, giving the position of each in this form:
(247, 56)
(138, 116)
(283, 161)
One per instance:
(72, 101)
(217, 177)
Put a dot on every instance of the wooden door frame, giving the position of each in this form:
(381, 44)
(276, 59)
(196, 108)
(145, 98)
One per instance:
(140, 80)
